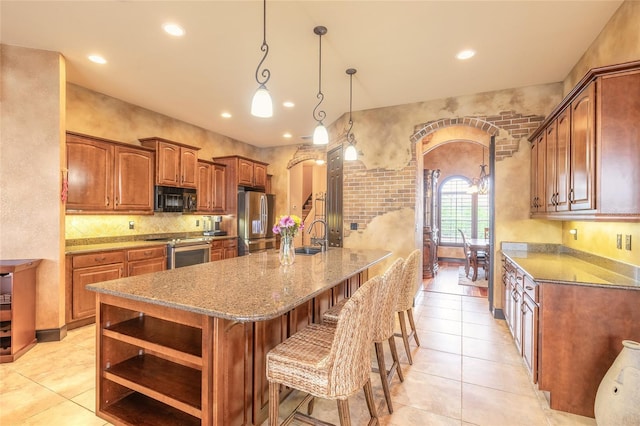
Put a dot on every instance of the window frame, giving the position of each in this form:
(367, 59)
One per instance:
(475, 212)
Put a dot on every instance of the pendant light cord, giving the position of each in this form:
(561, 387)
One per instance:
(319, 115)
(264, 48)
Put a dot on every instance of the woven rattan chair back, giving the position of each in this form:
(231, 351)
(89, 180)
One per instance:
(349, 359)
(383, 313)
(410, 281)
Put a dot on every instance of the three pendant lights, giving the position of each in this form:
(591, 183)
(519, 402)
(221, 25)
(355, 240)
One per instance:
(262, 105)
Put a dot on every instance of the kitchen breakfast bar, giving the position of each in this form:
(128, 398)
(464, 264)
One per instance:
(187, 346)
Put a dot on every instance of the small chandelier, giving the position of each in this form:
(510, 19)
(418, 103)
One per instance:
(350, 154)
(261, 105)
(480, 185)
(320, 135)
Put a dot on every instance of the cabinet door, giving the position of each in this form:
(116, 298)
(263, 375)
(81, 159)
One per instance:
(550, 166)
(133, 179)
(204, 187)
(563, 135)
(90, 178)
(219, 183)
(533, 193)
(188, 167)
(581, 194)
(83, 301)
(230, 250)
(267, 335)
(259, 175)
(146, 266)
(168, 164)
(245, 172)
(529, 318)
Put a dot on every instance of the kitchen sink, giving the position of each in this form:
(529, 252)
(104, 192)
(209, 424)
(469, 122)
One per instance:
(307, 250)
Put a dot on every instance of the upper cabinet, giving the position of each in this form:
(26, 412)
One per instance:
(591, 144)
(176, 163)
(211, 188)
(108, 177)
(241, 171)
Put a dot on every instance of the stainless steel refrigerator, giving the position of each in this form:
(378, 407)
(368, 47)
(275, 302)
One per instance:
(255, 221)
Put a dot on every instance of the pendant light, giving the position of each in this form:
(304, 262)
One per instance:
(483, 181)
(350, 154)
(320, 135)
(261, 105)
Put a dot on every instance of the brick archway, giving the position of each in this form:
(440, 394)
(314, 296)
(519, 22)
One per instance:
(433, 126)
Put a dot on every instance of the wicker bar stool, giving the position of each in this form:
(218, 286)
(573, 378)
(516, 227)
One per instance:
(408, 291)
(383, 324)
(326, 361)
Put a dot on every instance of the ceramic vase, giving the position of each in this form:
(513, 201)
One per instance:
(287, 251)
(618, 397)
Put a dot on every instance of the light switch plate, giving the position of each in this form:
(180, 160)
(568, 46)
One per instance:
(627, 242)
(619, 241)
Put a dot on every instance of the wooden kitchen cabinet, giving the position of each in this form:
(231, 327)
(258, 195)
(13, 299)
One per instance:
(224, 249)
(211, 188)
(146, 260)
(108, 177)
(243, 172)
(84, 269)
(176, 163)
(91, 268)
(17, 307)
(538, 151)
(594, 158)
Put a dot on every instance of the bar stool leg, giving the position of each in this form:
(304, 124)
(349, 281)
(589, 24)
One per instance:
(368, 395)
(396, 360)
(274, 403)
(382, 368)
(405, 336)
(343, 412)
(413, 326)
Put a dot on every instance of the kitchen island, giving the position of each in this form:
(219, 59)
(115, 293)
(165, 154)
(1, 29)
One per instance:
(188, 346)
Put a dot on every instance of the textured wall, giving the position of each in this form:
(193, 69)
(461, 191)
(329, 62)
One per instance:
(31, 162)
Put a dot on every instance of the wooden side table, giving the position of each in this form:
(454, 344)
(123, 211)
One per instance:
(17, 307)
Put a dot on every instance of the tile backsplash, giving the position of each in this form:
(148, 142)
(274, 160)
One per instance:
(93, 226)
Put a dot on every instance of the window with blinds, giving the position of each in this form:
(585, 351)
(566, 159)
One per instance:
(460, 210)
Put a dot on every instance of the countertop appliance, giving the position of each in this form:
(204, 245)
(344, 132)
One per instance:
(170, 199)
(255, 221)
(186, 251)
(212, 226)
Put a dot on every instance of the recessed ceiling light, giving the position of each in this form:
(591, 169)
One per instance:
(466, 54)
(288, 104)
(226, 115)
(287, 135)
(173, 29)
(97, 59)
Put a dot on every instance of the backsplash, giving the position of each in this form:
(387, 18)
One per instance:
(94, 226)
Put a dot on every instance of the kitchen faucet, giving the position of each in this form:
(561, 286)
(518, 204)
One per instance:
(323, 242)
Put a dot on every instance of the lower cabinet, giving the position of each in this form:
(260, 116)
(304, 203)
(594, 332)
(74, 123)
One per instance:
(522, 312)
(224, 249)
(91, 268)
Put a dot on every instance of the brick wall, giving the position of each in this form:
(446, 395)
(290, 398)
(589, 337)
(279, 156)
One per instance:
(374, 192)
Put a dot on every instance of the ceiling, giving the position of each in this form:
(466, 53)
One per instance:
(404, 52)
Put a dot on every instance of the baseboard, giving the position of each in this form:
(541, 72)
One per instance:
(498, 313)
(52, 334)
(452, 260)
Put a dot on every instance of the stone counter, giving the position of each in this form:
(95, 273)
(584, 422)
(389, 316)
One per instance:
(246, 288)
(557, 264)
(95, 245)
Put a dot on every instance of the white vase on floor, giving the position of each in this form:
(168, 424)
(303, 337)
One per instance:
(618, 397)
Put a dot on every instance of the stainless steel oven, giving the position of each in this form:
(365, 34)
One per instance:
(188, 252)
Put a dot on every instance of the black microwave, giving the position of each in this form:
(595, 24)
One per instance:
(170, 199)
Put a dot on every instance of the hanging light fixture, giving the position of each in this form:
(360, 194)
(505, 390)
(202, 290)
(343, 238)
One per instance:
(261, 105)
(350, 154)
(320, 135)
(480, 185)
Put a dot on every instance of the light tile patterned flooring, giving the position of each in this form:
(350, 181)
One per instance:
(466, 372)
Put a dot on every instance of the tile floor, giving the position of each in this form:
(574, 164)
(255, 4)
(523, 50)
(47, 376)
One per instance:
(466, 372)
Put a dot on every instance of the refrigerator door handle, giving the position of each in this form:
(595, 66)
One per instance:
(263, 214)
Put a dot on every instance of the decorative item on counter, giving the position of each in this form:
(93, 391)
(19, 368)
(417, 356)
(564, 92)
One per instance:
(287, 227)
(618, 397)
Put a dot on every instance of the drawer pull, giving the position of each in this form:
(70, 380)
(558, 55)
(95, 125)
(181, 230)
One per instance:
(148, 253)
(100, 259)
(528, 287)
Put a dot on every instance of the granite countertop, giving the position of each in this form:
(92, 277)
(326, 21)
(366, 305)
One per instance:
(122, 245)
(246, 288)
(564, 268)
